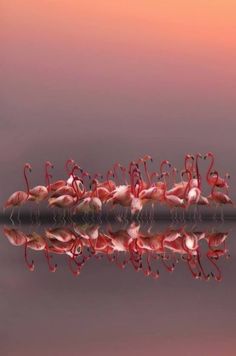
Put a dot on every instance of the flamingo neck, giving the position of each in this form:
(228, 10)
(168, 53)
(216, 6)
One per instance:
(161, 166)
(26, 181)
(124, 176)
(187, 158)
(74, 185)
(214, 185)
(94, 191)
(115, 173)
(132, 175)
(198, 174)
(109, 173)
(210, 167)
(165, 184)
(189, 180)
(147, 173)
(47, 175)
(174, 173)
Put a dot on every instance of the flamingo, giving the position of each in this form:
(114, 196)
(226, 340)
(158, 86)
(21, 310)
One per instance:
(19, 198)
(179, 188)
(65, 201)
(41, 192)
(109, 185)
(61, 183)
(219, 198)
(136, 202)
(91, 203)
(211, 178)
(122, 194)
(144, 160)
(171, 200)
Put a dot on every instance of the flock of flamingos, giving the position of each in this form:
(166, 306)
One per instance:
(132, 187)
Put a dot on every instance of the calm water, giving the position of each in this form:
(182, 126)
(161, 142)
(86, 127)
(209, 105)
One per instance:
(109, 311)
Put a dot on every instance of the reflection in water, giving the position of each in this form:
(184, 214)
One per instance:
(144, 249)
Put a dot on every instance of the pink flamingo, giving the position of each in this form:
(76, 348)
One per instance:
(172, 200)
(41, 192)
(144, 160)
(61, 183)
(122, 194)
(20, 197)
(211, 178)
(68, 188)
(192, 194)
(91, 203)
(109, 185)
(179, 188)
(218, 197)
(65, 201)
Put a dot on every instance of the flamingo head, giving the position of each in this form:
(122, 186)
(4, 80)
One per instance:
(147, 158)
(49, 164)
(209, 154)
(28, 166)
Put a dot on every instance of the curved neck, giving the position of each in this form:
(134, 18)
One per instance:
(115, 172)
(198, 175)
(174, 173)
(189, 180)
(187, 158)
(47, 175)
(165, 182)
(214, 185)
(133, 173)
(185, 162)
(74, 185)
(147, 173)
(210, 167)
(109, 174)
(162, 165)
(123, 175)
(153, 174)
(95, 186)
(26, 180)
(131, 165)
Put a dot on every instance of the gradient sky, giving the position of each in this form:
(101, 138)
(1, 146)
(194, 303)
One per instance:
(103, 81)
(111, 80)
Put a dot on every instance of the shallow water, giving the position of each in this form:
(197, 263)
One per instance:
(110, 311)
